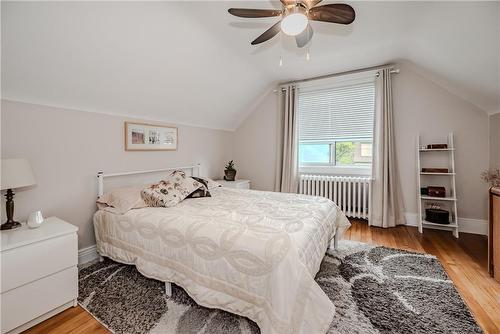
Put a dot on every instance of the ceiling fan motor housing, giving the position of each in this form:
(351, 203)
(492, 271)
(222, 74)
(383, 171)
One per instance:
(298, 8)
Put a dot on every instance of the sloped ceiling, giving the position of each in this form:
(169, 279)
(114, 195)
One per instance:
(192, 63)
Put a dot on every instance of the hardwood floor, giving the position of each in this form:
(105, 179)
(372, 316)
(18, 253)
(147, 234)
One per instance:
(465, 261)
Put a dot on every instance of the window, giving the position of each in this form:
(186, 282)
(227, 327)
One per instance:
(336, 127)
(315, 153)
(350, 153)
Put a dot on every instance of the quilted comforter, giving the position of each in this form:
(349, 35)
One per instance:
(252, 253)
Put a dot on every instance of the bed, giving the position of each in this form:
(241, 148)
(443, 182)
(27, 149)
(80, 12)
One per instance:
(248, 252)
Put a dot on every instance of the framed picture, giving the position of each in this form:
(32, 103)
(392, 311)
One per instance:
(150, 137)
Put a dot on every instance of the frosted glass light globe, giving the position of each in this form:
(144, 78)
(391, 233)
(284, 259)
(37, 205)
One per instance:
(294, 24)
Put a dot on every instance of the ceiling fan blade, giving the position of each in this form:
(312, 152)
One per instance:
(268, 34)
(304, 37)
(334, 13)
(311, 3)
(252, 13)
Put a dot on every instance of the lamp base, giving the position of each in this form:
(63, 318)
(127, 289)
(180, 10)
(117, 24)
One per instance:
(9, 208)
(10, 225)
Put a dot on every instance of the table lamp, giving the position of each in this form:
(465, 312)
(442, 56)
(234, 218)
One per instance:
(16, 173)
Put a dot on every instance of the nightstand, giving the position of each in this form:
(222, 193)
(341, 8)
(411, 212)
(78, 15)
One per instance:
(39, 273)
(237, 184)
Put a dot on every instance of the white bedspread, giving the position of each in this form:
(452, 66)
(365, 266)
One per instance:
(248, 252)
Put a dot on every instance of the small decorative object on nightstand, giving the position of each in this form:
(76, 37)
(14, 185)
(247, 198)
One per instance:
(16, 173)
(39, 275)
(237, 184)
(229, 172)
(35, 219)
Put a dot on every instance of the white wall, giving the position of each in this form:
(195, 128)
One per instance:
(255, 144)
(420, 106)
(495, 141)
(67, 148)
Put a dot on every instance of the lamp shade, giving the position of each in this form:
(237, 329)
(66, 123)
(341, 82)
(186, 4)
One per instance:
(16, 173)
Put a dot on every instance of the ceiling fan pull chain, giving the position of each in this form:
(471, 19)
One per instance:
(281, 52)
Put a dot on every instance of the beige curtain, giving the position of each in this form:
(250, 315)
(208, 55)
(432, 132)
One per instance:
(287, 159)
(387, 208)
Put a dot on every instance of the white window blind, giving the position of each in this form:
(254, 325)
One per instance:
(337, 113)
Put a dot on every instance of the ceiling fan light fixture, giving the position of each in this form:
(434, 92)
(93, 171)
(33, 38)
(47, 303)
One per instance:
(295, 21)
(295, 16)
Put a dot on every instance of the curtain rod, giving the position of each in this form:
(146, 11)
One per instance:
(393, 71)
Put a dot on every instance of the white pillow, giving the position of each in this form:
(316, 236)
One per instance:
(121, 200)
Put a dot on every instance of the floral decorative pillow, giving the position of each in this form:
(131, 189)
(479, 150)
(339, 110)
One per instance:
(170, 191)
(202, 191)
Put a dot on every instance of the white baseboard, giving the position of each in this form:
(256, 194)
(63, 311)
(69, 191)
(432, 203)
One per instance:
(87, 254)
(466, 225)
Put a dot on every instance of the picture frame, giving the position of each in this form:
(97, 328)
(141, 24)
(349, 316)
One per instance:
(150, 137)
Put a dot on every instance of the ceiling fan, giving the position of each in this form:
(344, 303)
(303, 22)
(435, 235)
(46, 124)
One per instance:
(295, 17)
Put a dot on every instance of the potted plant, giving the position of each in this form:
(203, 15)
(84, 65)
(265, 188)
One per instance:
(491, 176)
(229, 172)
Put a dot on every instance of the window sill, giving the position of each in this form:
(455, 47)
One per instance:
(338, 171)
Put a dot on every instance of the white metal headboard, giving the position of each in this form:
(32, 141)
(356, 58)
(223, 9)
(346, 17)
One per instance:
(195, 171)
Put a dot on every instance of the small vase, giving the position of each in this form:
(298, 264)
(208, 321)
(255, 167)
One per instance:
(229, 174)
(35, 219)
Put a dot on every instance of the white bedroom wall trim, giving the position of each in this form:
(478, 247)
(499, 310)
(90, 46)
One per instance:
(466, 225)
(87, 254)
(146, 117)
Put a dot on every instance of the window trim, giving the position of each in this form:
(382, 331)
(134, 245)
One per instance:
(338, 81)
(336, 170)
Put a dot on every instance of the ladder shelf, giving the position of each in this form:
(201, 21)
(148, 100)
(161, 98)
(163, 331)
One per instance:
(437, 179)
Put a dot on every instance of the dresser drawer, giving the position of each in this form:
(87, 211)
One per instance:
(31, 262)
(32, 300)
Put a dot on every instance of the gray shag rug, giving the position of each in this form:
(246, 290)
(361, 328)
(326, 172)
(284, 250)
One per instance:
(374, 289)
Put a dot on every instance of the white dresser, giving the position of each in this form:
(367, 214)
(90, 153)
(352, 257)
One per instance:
(237, 184)
(39, 273)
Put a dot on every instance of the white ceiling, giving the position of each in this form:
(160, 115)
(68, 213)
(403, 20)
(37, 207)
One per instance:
(192, 63)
